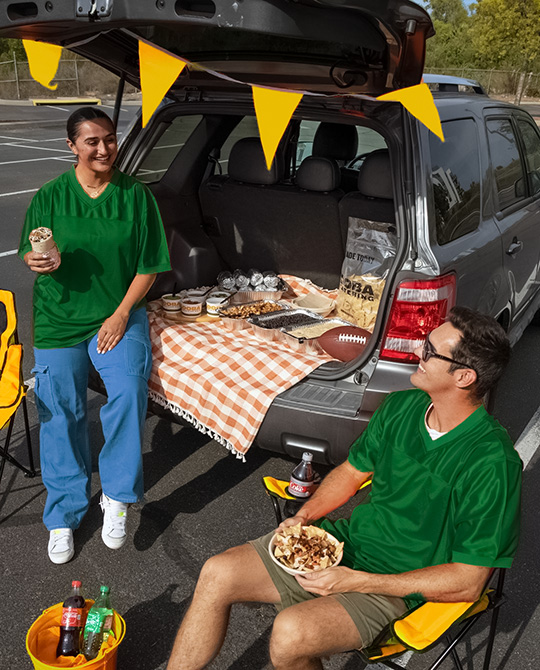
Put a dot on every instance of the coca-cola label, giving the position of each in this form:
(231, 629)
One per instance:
(71, 617)
(300, 489)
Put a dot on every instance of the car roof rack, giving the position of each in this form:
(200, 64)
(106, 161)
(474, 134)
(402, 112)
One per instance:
(443, 83)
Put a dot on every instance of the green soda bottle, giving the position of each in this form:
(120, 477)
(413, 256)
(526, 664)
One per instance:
(97, 623)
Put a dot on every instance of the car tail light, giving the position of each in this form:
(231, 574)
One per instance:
(418, 308)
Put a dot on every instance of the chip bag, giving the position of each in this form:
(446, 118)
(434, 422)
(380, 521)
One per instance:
(370, 253)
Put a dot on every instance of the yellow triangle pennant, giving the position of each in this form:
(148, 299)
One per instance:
(419, 102)
(158, 72)
(43, 59)
(273, 110)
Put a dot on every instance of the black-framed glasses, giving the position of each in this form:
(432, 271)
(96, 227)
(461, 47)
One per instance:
(429, 351)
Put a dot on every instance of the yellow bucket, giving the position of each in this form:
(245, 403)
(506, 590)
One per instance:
(42, 640)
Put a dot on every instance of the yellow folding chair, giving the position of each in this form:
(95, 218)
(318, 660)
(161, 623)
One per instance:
(432, 624)
(12, 388)
(421, 628)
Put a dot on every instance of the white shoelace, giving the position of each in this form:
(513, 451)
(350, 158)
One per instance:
(115, 516)
(60, 542)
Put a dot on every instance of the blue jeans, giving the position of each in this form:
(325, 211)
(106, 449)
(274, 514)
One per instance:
(61, 398)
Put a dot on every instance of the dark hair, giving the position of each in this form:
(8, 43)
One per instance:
(80, 116)
(483, 346)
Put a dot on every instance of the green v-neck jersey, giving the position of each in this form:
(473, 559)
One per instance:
(451, 500)
(104, 242)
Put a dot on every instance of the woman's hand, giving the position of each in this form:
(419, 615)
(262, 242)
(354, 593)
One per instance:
(41, 263)
(333, 580)
(111, 332)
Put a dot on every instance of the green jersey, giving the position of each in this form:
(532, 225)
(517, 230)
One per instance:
(104, 243)
(453, 499)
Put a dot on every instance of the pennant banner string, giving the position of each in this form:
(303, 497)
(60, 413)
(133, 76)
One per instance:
(43, 60)
(159, 69)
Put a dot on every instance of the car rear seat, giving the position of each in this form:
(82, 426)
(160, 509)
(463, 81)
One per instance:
(256, 221)
(338, 142)
(374, 199)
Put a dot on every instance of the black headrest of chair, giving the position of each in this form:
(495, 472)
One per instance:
(248, 164)
(318, 174)
(335, 140)
(375, 178)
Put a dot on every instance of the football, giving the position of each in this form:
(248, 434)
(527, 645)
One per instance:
(344, 343)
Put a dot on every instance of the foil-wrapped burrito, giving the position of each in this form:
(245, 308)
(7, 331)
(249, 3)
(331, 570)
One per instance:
(42, 240)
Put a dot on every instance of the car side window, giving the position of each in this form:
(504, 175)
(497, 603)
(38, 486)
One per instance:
(531, 144)
(246, 128)
(368, 140)
(506, 162)
(158, 161)
(455, 176)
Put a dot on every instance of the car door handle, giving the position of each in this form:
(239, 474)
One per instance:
(515, 247)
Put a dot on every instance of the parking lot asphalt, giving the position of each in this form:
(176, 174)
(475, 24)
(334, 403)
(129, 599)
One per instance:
(199, 499)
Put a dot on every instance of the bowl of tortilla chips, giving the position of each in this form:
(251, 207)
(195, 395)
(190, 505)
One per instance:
(301, 549)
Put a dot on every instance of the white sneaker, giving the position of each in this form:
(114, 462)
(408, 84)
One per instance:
(61, 548)
(113, 532)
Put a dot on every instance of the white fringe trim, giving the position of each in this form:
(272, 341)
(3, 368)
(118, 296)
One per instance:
(167, 404)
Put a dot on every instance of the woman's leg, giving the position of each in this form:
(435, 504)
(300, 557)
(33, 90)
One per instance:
(66, 466)
(124, 371)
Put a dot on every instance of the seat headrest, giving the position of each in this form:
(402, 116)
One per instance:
(335, 140)
(318, 174)
(247, 163)
(375, 178)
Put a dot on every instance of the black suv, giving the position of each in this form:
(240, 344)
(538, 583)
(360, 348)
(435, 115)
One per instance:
(464, 212)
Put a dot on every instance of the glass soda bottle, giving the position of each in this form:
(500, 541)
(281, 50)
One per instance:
(302, 477)
(98, 622)
(71, 624)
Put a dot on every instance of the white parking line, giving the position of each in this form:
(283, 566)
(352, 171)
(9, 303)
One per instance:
(8, 253)
(63, 109)
(16, 139)
(112, 107)
(21, 123)
(34, 160)
(30, 190)
(529, 440)
(21, 146)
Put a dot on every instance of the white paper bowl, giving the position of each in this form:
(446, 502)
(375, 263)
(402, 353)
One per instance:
(318, 304)
(292, 571)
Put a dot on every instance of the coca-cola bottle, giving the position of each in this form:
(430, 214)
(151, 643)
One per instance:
(302, 477)
(72, 622)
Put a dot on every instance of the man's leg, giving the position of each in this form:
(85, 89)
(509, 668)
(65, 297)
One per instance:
(304, 633)
(238, 575)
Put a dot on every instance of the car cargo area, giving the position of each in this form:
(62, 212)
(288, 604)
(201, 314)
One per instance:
(224, 210)
(322, 219)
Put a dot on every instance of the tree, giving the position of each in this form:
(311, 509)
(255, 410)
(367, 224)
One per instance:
(450, 47)
(7, 47)
(448, 11)
(506, 33)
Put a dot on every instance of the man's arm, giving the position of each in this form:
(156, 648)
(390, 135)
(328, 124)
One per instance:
(336, 488)
(451, 582)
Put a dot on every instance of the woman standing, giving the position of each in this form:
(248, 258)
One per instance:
(89, 306)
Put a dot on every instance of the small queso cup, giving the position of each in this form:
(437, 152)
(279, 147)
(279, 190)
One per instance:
(215, 302)
(192, 305)
(171, 303)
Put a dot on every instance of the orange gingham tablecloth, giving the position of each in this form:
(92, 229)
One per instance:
(220, 381)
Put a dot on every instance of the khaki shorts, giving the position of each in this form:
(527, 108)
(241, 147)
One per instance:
(370, 612)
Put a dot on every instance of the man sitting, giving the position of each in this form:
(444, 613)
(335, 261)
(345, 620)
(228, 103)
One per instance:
(443, 510)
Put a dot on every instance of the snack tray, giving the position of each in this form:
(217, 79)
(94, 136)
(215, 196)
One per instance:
(269, 320)
(238, 323)
(243, 297)
(269, 326)
(309, 345)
